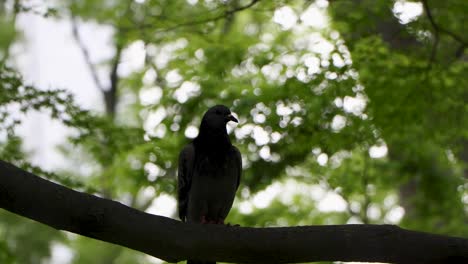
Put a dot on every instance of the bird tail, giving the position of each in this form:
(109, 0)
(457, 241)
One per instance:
(200, 262)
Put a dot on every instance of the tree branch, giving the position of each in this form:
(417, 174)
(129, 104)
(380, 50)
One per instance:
(64, 209)
(110, 95)
(86, 56)
(225, 14)
(436, 34)
(437, 30)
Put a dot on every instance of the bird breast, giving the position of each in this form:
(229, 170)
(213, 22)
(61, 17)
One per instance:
(213, 189)
(215, 176)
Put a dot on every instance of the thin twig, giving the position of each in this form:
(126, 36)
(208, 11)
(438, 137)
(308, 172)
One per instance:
(225, 14)
(240, 8)
(86, 55)
(436, 33)
(460, 50)
(437, 30)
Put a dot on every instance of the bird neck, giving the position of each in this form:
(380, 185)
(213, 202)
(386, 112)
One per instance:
(213, 141)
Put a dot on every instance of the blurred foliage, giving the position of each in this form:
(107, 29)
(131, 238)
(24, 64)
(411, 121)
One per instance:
(313, 102)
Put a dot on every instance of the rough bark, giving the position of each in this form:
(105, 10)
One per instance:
(64, 209)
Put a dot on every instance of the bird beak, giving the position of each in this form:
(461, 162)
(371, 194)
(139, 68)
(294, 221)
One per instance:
(232, 118)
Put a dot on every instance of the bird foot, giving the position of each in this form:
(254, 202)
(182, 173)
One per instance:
(203, 220)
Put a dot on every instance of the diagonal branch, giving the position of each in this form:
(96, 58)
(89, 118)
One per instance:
(64, 209)
(240, 8)
(225, 14)
(86, 56)
(436, 34)
(437, 30)
(109, 93)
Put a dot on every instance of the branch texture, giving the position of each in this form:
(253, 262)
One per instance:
(64, 209)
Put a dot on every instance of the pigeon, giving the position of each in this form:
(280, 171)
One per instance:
(209, 172)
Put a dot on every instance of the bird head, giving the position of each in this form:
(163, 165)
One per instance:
(217, 117)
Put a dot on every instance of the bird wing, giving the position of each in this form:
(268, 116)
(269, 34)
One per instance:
(238, 160)
(184, 179)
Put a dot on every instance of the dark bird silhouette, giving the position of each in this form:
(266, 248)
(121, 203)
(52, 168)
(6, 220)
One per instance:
(209, 172)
